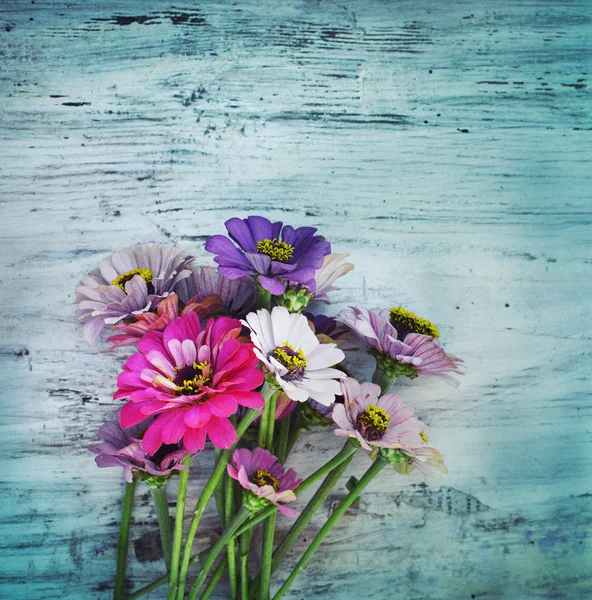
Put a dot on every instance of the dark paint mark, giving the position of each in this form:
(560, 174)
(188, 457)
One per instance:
(176, 18)
(492, 82)
(148, 548)
(117, 213)
(463, 130)
(577, 86)
(75, 103)
(507, 305)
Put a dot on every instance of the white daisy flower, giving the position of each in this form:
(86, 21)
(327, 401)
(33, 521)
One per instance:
(287, 346)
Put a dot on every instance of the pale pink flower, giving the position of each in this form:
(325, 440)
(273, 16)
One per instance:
(260, 473)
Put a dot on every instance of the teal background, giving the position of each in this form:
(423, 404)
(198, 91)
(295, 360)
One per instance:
(444, 145)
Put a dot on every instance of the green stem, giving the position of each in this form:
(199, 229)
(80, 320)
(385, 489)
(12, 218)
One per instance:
(122, 544)
(206, 494)
(384, 380)
(270, 395)
(231, 548)
(368, 476)
(313, 505)
(269, 528)
(268, 537)
(283, 433)
(242, 515)
(214, 580)
(245, 549)
(178, 538)
(164, 578)
(161, 506)
(219, 496)
(264, 298)
(246, 530)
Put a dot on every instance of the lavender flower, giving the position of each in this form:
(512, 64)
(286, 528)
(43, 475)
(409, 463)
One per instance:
(123, 448)
(409, 349)
(238, 296)
(129, 282)
(274, 254)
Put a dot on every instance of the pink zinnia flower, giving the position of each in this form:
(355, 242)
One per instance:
(123, 448)
(193, 379)
(260, 473)
(375, 420)
(409, 349)
(166, 311)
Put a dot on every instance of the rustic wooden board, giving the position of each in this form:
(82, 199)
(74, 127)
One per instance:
(445, 145)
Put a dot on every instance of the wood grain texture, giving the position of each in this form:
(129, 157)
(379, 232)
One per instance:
(445, 145)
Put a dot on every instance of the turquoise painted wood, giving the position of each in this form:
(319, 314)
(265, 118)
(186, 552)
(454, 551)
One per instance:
(445, 145)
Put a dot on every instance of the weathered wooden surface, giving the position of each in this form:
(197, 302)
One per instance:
(445, 145)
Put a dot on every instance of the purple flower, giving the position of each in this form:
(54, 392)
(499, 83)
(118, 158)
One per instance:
(122, 448)
(274, 254)
(239, 296)
(260, 473)
(408, 350)
(129, 282)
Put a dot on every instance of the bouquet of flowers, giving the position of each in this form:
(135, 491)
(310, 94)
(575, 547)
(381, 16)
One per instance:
(240, 358)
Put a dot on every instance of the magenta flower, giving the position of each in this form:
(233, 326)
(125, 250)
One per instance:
(260, 473)
(237, 296)
(123, 448)
(410, 350)
(129, 282)
(274, 254)
(375, 420)
(194, 379)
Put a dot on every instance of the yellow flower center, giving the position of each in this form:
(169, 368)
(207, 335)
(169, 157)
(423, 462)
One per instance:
(405, 322)
(193, 379)
(372, 422)
(423, 436)
(275, 249)
(261, 477)
(121, 280)
(293, 360)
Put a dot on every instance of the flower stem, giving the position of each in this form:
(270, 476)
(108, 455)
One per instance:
(161, 506)
(178, 538)
(268, 537)
(269, 527)
(283, 433)
(269, 392)
(164, 578)
(368, 476)
(214, 580)
(242, 515)
(122, 544)
(231, 548)
(264, 297)
(384, 380)
(203, 500)
(245, 549)
(245, 531)
(313, 505)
